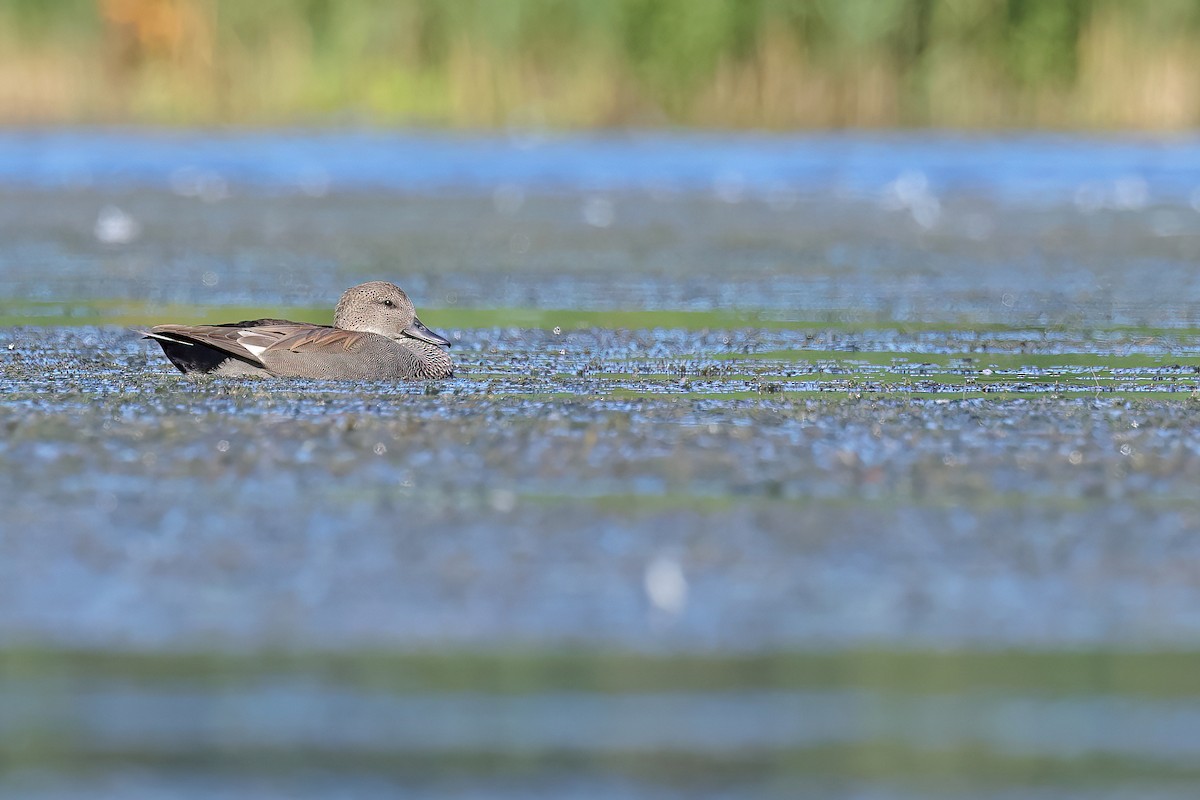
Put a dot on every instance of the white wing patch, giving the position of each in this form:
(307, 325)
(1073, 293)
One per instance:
(263, 342)
(165, 338)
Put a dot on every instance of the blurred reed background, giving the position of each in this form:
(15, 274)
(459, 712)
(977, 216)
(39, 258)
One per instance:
(1082, 64)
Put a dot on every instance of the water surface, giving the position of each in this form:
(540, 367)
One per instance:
(854, 466)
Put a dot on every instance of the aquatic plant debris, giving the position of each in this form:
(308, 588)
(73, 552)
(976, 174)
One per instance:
(653, 441)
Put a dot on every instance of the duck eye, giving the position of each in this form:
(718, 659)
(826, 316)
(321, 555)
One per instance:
(388, 303)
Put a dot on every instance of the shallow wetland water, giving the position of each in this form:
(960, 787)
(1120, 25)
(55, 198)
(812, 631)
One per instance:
(877, 483)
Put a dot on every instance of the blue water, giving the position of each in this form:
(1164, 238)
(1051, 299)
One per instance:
(223, 590)
(1124, 172)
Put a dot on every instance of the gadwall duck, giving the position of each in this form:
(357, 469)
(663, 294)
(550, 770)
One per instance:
(375, 336)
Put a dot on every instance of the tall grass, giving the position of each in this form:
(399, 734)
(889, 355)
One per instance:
(584, 63)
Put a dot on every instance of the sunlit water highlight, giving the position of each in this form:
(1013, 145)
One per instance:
(907, 170)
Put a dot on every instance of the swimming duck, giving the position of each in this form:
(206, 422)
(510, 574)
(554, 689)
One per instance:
(375, 336)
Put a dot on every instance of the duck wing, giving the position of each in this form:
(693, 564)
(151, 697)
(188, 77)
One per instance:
(244, 340)
(319, 339)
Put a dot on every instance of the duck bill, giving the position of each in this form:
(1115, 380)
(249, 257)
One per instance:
(418, 331)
